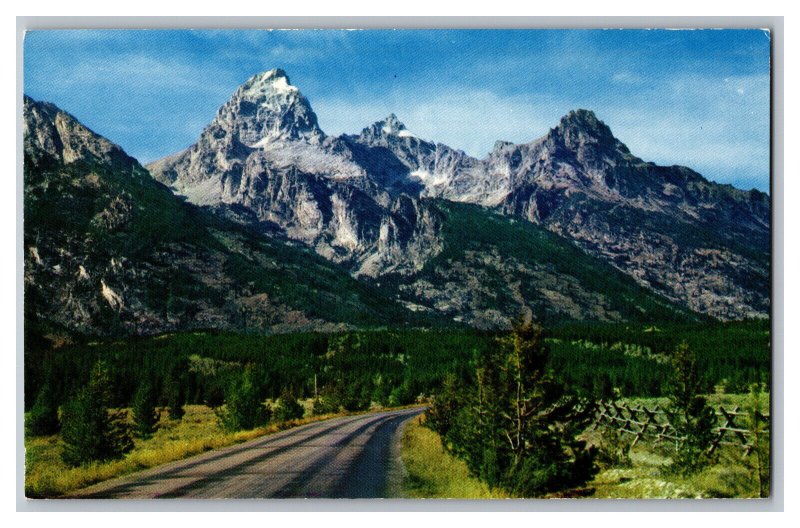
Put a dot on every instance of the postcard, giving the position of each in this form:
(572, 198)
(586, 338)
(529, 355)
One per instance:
(411, 263)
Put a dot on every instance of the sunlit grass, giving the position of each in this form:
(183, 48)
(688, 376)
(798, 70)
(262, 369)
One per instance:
(46, 475)
(433, 473)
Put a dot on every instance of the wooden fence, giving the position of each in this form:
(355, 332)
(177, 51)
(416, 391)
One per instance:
(657, 423)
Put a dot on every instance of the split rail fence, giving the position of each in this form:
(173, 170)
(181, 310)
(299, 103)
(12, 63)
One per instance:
(657, 423)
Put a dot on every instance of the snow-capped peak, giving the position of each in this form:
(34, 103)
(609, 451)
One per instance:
(391, 126)
(267, 84)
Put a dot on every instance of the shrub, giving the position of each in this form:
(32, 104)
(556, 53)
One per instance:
(287, 407)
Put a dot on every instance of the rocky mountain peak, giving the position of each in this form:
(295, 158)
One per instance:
(388, 129)
(267, 107)
(583, 133)
(51, 132)
(585, 123)
(267, 84)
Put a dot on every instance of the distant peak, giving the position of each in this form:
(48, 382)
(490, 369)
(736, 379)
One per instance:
(581, 118)
(500, 145)
(583, 123)
(268, 83)
(391, 125)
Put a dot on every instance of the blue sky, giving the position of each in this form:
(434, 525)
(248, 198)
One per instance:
(697, 98)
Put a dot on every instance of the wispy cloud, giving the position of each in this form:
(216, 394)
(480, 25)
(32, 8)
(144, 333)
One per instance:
(698, 98)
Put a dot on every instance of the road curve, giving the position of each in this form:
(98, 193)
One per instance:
(349, 457)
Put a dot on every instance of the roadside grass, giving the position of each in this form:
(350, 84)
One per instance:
(433, 473)
(47, 476)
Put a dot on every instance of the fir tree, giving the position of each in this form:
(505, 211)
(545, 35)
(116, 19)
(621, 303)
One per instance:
(694, 419)
(176, 399)
(145, 416)
(244, 407)
(518, 428)
(89, 432)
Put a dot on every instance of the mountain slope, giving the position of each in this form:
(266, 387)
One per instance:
(493, 266)
(357, 199)
(698, 243)
(108, 251)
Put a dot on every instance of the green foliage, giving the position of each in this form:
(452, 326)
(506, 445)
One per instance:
(145, 416)
(394, 367)
(42, 419)
(244, 407)
(287, 407)
(89, 432)
(514, 424)
(175, 388)
(469, 229)
(694, 418)
(176, 399)
(758, 460)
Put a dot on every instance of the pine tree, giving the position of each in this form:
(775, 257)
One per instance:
(287, 407)
(176, 399)
(694, 419)
(145, 416)
(244, 408)
(517, 428)
(89, 432)
(43, 417)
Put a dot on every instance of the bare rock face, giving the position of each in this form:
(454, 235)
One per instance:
(265, 151)
(362, 200)
(48, 131)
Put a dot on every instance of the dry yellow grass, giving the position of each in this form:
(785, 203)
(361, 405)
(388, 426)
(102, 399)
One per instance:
(46, 475)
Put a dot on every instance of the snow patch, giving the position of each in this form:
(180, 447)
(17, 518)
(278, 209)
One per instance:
(268, 85)
(428, 179)
(82, 274)
(280, 86)
(406, 133)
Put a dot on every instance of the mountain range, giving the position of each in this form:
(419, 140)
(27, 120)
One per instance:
(268, 224)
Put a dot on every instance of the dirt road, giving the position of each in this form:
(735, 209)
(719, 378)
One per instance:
(350, 457)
